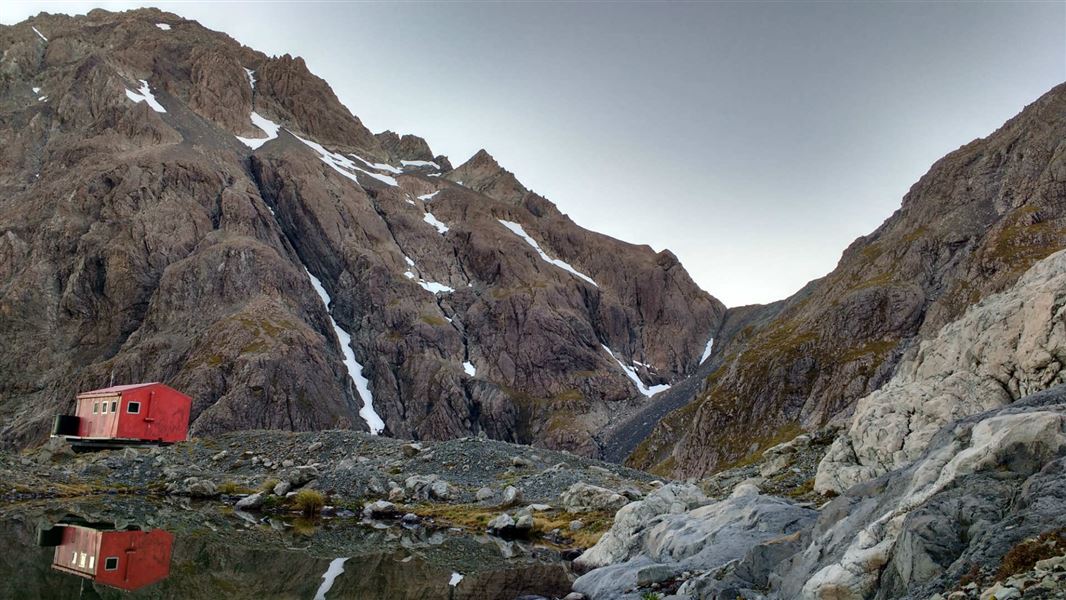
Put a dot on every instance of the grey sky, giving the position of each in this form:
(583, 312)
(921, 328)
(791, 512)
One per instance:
(756, 141)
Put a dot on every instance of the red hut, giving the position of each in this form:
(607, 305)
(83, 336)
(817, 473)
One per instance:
(127, 560)
(124, 414)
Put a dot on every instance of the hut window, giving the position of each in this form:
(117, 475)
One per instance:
(110, 563)
(81, 560)
(133, 408)
(103, 408)
(96, 407)
(74, 558)
(114, 406)
(92, 562)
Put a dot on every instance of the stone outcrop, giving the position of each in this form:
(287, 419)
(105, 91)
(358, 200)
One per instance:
(1008, 346)
(144, 243)
(703, 538)
(969, 228)
(984, 484)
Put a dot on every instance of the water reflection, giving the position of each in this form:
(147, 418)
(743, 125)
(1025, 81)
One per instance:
(127, 560)
(140, 549)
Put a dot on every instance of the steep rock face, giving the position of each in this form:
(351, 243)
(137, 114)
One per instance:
(970, 227)
(289, 277)
(1010, 345)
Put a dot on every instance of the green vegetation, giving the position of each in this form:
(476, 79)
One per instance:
(309, 501)
(231, 487)
(476, 518)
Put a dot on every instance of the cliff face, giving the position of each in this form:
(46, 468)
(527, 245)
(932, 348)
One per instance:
(177, 207)
(969, 228)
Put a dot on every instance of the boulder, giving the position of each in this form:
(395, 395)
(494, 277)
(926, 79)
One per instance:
(194, 487)
(380, 509)
(251, 501)
(511, 497)
(622, 540)
(701, 539)
(583, 497)
(485, 493)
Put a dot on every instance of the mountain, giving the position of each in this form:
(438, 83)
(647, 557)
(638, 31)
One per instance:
(175, 206)
(969, 228)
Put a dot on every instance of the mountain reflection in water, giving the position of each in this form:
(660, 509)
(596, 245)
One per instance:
(103, 548)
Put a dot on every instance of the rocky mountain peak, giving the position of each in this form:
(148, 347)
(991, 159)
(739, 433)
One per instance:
(177, 207)
(483, 174)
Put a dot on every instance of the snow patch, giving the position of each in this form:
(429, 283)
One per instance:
(441, 227)
(420, 163)
(144, 94)
(336, 567)
(631, 373)
(355, 370)
(469, 368)
(268, 127)
(378, 166)
(342, 164)
(456, 578)
(42, 98)
(428, 197)
(36, 90)
(410, 263)
(251, 77)
(435, 288)
(520, 232)
(38, 32)
(163, 26)
(707, 351)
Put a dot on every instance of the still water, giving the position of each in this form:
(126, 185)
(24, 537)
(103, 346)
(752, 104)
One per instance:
(128, 548)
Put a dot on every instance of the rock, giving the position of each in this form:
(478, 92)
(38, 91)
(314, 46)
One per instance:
(314, 446)
(623, 539)
(485, 493)
(219, 456)
(282, 488)
(511, 496)
(775, 465)
(288, 462)
(251, 502)
(411, 450)
(582, 497)
(397, 494)
(501, 524)
(441, 490)
(1001, 592)
(1006, 347)
(574, 596)
(704, 538)
(519, 461)
(194, 487)
(380, 509)
(1004, 467)
(576, 525)
(655, 574)
(600, 470)
(411, 519)
(428, 487)
(523, 524)
(302, 475)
